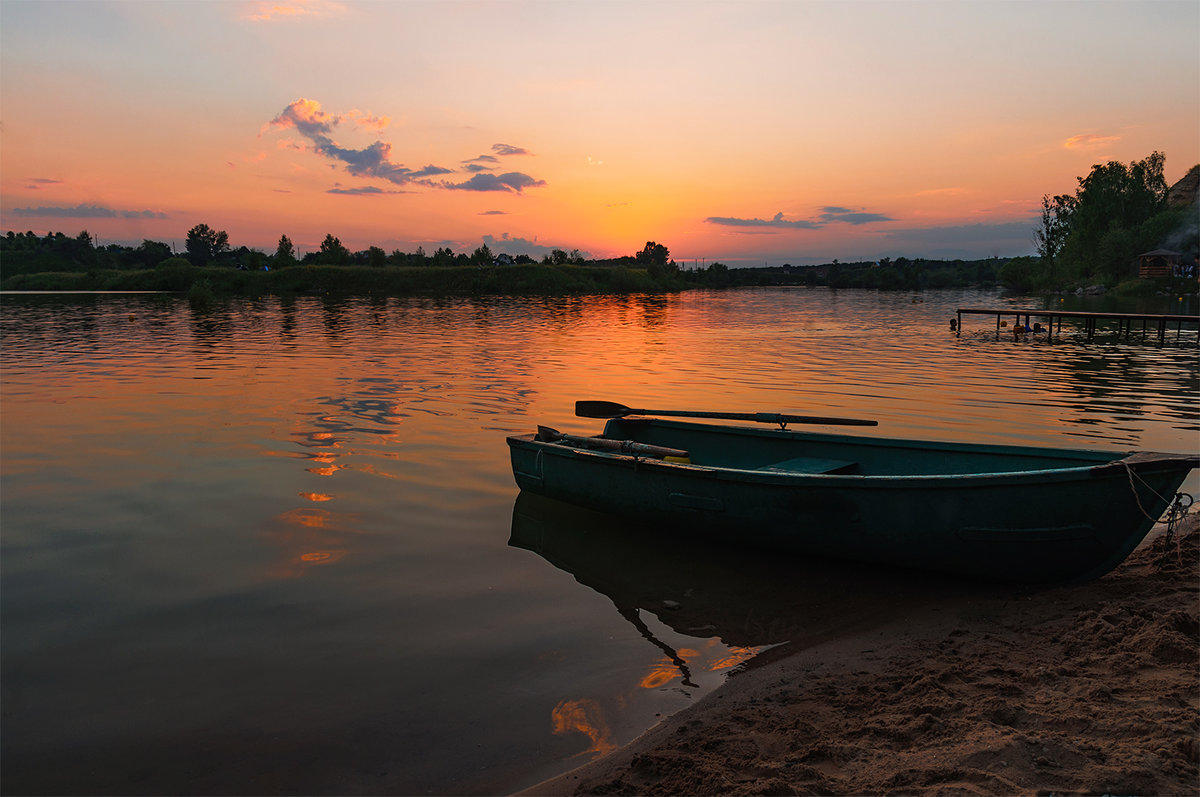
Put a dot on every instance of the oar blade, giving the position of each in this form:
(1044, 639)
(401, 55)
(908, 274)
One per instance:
(601, 409)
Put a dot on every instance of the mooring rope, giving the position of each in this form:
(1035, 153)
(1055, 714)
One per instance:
(1176, 511)
(1138, 498)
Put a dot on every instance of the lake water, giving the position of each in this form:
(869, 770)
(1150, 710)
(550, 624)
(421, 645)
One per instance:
(275, 546)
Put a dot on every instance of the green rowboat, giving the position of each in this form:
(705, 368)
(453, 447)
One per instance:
(1015, 513)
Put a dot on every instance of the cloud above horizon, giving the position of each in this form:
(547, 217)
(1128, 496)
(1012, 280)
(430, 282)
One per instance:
(514, 182)
(375, 160)
(267, 11)
(36, 183)
(1089, 140)
(829, 214)
(308, 119)
(88, 212)
(521, 246)
(364, 190)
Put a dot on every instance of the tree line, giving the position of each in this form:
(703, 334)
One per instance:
(29, 253)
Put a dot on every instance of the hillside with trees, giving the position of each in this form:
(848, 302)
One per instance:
(1094, 236)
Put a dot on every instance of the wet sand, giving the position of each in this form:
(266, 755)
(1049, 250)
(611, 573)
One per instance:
(1090, 689)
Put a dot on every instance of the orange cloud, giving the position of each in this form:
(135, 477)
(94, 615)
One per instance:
(1089, 140)
(368, 119)
(266, 11)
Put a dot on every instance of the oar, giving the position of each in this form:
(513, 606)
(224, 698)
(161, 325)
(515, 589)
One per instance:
(548, 435)
(610, 409)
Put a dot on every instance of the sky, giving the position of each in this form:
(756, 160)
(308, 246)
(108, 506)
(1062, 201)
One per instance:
(748, 132)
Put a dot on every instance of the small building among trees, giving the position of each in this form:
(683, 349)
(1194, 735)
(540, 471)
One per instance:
(1157, 263)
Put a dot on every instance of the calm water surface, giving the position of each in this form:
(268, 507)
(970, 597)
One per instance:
(275, 546)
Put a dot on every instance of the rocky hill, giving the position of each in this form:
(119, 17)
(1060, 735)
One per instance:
(1183, 193)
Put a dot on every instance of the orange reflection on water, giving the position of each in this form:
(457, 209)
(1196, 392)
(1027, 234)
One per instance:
(665, 670)
(713, 657)
(316, 496)
(732, 658)
(332, 469)
(312, 518)
(322, 557)
(583, 716)
(375, 471)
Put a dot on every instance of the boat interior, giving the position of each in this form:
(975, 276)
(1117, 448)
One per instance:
(786, 451)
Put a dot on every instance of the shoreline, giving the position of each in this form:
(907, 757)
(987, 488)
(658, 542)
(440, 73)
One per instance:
(1093, 688)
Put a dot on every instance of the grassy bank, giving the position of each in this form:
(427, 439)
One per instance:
(354, 280)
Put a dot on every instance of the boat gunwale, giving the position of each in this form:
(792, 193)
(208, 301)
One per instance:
(1139, 461)
(1007, 449)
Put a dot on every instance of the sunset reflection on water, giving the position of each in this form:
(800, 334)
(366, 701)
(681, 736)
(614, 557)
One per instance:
(210, 512)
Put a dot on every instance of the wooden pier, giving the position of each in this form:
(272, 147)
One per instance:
(1155, 323)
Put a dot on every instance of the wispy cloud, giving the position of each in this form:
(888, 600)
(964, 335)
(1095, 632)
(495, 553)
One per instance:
(308, 119)
(1089, 140)
(483, 163)
(36, 183)
(368, 120)
(267, 11)
(88, 212)
(851, 216)
(317, 127)
(829, 214)
(492, 213)
(779, 221)
(365, 190)
(487, 163)
(514, 182)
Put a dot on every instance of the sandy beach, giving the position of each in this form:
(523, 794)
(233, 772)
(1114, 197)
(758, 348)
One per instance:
(1089, 689)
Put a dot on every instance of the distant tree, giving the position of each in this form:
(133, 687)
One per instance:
(376, 257)
(332, 252)
(483, 256)
(653, 254)
(150, 254)
(285, 252)
(444, 256)
(205, 244)
(1052, 234)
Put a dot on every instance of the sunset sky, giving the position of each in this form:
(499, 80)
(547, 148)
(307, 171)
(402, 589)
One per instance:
(746, 132)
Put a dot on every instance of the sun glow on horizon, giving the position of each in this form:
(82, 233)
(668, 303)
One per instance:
(121, 120)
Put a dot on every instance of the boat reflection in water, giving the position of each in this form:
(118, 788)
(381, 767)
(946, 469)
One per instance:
(749, 599)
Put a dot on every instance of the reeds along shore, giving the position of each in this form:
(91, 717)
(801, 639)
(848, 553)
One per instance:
(1089, 689)
(354, 280)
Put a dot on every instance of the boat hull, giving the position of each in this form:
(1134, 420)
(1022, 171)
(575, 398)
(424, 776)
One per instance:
(1074, 520)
